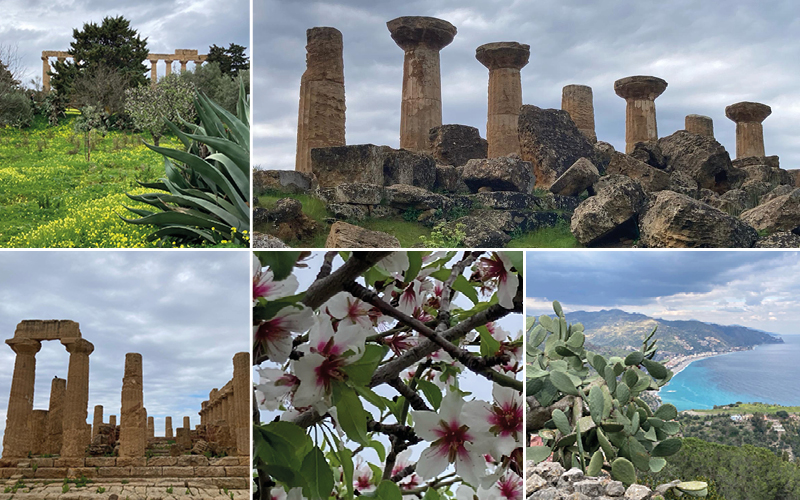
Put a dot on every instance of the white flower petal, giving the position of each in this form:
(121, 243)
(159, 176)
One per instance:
(432, 462)
(426, 423)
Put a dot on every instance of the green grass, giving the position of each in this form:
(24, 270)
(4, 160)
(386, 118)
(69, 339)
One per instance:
(407, 233)
(750, 408)
(551, 237)
(50, 196)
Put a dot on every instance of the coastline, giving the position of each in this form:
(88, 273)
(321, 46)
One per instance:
(679, 363)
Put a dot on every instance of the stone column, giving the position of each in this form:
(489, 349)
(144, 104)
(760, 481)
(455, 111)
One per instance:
(97, 421)
(169, 66)
(321, 117)
(38, 430)
(131, 428)
(241, 402)
(168, 427)
(144, 426)
(203, 412)
(154, 71)
(421, 38)
(640, 93)
(700, 125)
(578, 101)
(504, 60)
(151, 427)
(55, 415)
(183, 65)
(187, 423)
(45, 73)
(17, 438)
(749, 131)
(76, 399)
(112, 421)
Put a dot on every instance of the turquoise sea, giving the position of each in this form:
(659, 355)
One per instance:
(767, 374)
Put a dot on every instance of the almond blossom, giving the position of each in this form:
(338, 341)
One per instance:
(455, 438)
(503, 419)
(264, 286)
(362, 478)
(274, 387)
(347, 308)
(275, 334)
(497, 270)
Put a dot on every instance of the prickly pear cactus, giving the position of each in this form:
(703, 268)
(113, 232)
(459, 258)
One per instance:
(598, 421)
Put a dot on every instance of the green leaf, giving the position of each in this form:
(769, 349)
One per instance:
(557, 308)
(667, 448)
(318, 475)
(516, 259)
(657, 463)
(431, 494)
(634, 358)
(666, 412)
(280, 263)
(432, 393)
(622, 470)
(654, 368)
(595, 464)
(371, 396)
(379, 449)
(489, 345)
(360, 372)
(537, 453)
(351, 414)
(346, 459)
(388, 490)
(414, 265)
(461, 284)
(596, 404)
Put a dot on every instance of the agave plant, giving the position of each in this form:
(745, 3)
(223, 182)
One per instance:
(205, 194)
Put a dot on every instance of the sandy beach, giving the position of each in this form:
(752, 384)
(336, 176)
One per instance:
(678, 363)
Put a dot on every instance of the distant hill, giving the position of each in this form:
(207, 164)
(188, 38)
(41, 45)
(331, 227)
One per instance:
(615, 331)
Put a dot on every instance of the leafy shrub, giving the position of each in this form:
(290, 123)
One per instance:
(15, 109)
(150, 107)
(445, 236)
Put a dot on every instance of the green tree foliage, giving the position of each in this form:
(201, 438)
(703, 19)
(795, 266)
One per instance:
(220, 87)
(15, 107)
(112, 43)
(91, 120)
(149, 106)
(231, 60)
(739, 473)
(101, 86)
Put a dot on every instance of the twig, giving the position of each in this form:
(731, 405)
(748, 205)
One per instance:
(413, 398)
(322, 290)
(447, 287)
(327, 265)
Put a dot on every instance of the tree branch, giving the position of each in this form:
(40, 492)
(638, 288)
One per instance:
(413, 398)
(323, 289)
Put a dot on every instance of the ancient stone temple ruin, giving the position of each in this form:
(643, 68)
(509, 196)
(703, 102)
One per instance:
(537, 167)
(183, 56)
(58, 443)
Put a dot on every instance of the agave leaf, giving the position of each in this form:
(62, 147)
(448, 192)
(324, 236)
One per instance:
(182, 231)
(240, 179)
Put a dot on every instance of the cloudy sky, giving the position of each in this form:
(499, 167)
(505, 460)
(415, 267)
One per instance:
(751, 288)
(187, 313)
(712, 54)
(37, 25)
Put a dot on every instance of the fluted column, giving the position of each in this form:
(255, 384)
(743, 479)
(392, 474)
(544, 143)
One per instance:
(504, 60)
(17, 436)
(421, 38)
(45, 73)
(578, 101)
(183, 65)
(169, 66)
(76, 400)
(168, 427)
(97, 420)
(700, 125)
(640, 93)
(154, 71)
(55, 415)
(151, 427)
(321, 117)
(749, 131)
(131, 430)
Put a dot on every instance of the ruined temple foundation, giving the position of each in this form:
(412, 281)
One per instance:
(640, 93)
(504, 60)
(421, 38)
(700, 125)
(749, 131)
(578, 101)
(321, 117)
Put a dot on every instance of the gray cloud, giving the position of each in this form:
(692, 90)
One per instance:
(712, 54)
(187, 313)
(35, 26)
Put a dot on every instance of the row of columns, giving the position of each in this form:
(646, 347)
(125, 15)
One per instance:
(66, 418)
(321, 120)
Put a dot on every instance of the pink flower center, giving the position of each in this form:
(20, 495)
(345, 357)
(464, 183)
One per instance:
(506, 419)
(452, 438)
(271, 330)
(329, 370)
(510, 488)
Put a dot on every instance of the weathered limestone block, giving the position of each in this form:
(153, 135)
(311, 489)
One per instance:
(168, 427)
(649, 153)
(346, 211)
(749, 131)
(408, 167)
(76, 400)
(701, 157)
(284, 181)
(261, 240)
(132, 424)
(783, 239)
(55, 415)
(403, 196)
(241, 402)
(552, 143)
(51, 329)
(778, 191)
(601, 155)
(683, 183)
(651, 179)
(578, 101)
(505, 173)
(779, 214)
(611, 214)
(673, 220)
(183, 438)
(421, 38)
(456, 144)
(479, 233)
(337, 165)
(344, 235)
(38, 430)
(151, 427)
(97, 420)
(17, 435)
(637, 492)
(576, 179)
(700, 125)
(505, 200)
(640, 93)
(321, 117)
(504, 60)
(449, 179)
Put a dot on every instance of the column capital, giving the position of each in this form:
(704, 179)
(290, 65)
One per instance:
(411, 31)
(78, 346)
(640, 87)
(24, 346)
(498, 55)
(748, 112)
